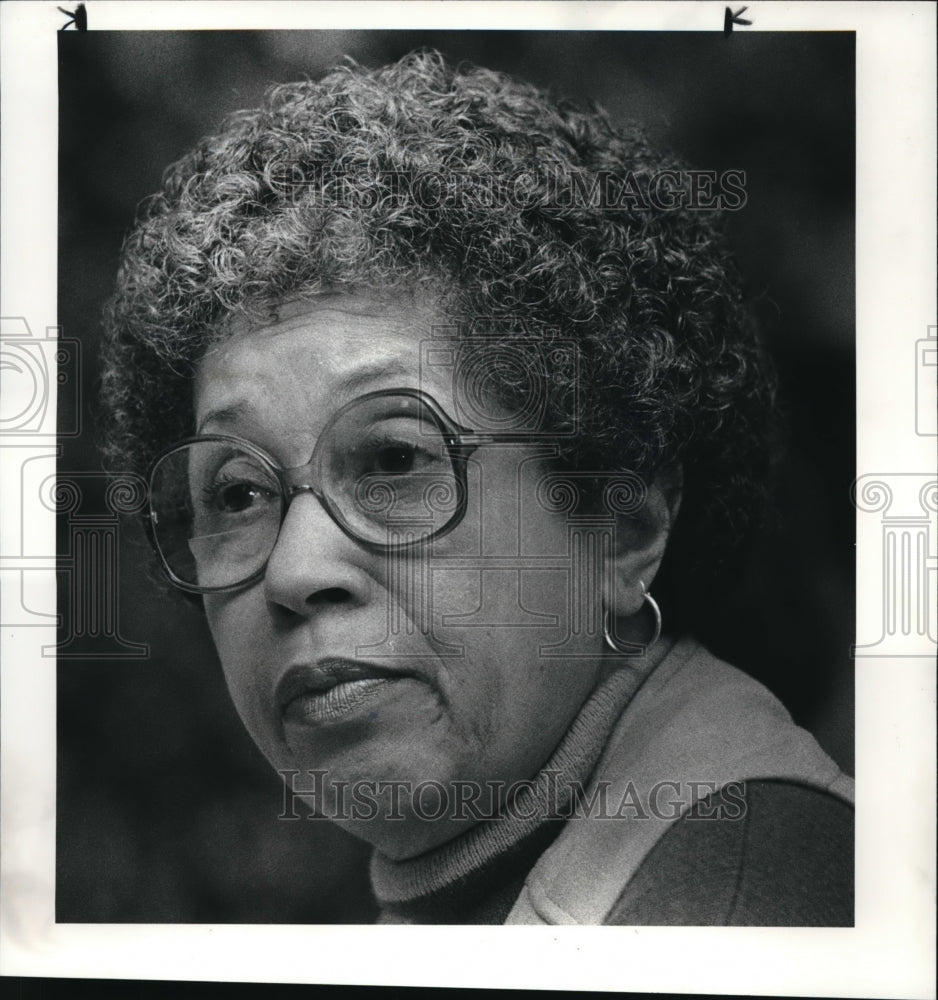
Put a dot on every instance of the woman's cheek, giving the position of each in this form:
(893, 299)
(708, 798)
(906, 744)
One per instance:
(242, 644)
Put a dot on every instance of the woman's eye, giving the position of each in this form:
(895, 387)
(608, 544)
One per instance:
(396, 459)
(236, 496)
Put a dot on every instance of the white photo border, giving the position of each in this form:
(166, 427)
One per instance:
(891, 951)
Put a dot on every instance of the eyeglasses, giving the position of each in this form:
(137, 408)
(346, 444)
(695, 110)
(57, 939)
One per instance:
(389, 468)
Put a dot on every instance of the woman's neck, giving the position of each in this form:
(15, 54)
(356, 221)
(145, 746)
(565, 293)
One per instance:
(493, 851)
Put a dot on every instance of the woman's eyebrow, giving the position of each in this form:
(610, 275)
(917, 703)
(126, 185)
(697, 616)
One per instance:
(363, 376)
(346, 387)
(224, 415)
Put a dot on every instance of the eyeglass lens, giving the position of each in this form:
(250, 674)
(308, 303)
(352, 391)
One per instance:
(383, 471)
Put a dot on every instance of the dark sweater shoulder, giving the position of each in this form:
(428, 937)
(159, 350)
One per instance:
(767, 853)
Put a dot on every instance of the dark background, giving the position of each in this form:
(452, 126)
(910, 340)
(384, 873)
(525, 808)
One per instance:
(166, 811)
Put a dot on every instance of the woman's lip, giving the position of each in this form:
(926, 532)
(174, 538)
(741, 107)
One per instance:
(316, 681)
(335, 702)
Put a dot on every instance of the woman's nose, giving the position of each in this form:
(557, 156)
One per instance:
(313, 563)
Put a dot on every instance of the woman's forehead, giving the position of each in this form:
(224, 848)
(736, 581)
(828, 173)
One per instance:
(315, 356)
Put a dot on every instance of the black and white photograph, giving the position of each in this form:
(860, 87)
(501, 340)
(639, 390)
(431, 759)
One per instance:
(457, 471)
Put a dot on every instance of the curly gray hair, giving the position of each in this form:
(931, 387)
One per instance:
(420, 174)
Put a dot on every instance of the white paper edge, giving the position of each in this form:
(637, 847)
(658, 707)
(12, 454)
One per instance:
(890, 952)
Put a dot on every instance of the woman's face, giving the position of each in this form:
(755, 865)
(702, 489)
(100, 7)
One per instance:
(384, 685)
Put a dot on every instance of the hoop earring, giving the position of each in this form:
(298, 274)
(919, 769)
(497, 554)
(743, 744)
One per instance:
(630, 648)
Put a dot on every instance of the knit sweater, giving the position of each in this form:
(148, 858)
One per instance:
(769, 851)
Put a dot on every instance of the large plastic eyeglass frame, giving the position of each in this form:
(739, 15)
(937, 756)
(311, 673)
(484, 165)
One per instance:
(460, 441)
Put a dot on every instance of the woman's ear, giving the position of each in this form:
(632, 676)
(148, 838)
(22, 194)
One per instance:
(641, 539)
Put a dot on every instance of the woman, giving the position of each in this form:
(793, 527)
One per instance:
(431, 376)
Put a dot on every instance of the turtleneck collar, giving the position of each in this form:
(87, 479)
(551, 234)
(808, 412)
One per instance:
(434, 886)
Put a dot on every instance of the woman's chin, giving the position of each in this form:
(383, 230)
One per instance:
(380, 753)
(401, 800)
